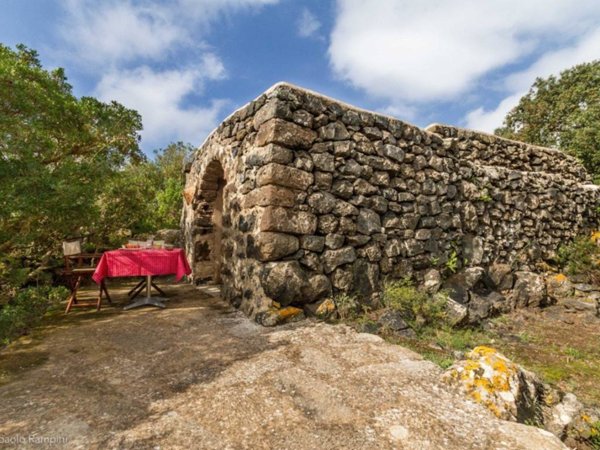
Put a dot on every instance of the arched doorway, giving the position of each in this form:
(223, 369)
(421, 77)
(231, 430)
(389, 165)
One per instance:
(209, 225)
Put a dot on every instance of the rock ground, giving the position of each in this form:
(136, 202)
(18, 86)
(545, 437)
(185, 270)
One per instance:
(201, 375)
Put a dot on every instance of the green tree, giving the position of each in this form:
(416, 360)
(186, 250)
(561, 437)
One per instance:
(170, 163)
(562, 112)
(56, 153)
(143, 197)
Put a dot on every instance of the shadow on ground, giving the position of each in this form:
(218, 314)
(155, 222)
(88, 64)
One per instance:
(95, 373)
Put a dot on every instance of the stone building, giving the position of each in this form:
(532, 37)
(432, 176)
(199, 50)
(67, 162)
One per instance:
(297, 197)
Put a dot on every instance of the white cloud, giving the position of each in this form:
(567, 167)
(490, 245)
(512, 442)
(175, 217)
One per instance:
(159, 98)
(307, 24)
(112, 32)
(518, 83)
(125, 42)
(206, 10)
(419, 51)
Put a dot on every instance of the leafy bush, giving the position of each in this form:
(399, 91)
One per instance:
(26, 309)
(346, 305)
(581, 257)
(417, 307)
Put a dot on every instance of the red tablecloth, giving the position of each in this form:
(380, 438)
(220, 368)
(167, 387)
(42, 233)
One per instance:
(135, 263)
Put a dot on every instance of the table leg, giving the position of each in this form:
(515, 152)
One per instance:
(148, 300)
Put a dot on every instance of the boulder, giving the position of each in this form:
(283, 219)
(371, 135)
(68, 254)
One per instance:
(560, 416)
(472, 276)
(501, 275)
(529, 290)
(432, 281)
(323, 310)
(279, 316)
(392, 320)
(480, 308)
(456, 313)
(505, 388)
(456, 288)
(558, 287)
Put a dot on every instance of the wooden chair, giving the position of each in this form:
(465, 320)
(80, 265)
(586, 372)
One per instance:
(79, 266)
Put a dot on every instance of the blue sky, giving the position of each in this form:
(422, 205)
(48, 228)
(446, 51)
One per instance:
(187, 64)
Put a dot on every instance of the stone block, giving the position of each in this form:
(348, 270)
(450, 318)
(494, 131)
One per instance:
(259, 156)
(288, 134)
(334, 258)
(286, 220)
(368, 222)
(284, 282)
(272, 246)
(286, 176)
(312, 243)
(335, 131)
(270, 195)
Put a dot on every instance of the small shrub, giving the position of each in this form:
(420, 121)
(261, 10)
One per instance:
(417, 307)
(25, 310)
(594, 439)
(485, 197)
(452, 263)
(346, 305)
(581, 257)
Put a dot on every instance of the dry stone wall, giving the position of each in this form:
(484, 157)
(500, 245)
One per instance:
(320, 198)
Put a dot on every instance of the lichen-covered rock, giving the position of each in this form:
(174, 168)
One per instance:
(323, 310)
(491, 379)
(279, 316)
(561, 415)
(558, 286)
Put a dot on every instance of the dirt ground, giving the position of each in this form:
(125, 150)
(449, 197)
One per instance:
(198, 374)
(560, 343)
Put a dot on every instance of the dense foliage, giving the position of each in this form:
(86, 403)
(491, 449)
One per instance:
(562, 112)
(71, 167)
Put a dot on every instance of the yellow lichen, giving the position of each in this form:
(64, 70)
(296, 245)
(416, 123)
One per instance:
(595, 236)
(560, 278)
(288, 312)
(500, 383)
(471, 365)
(483, 351)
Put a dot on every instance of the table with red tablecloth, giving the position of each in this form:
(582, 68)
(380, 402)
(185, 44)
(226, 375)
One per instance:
(142, 263)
